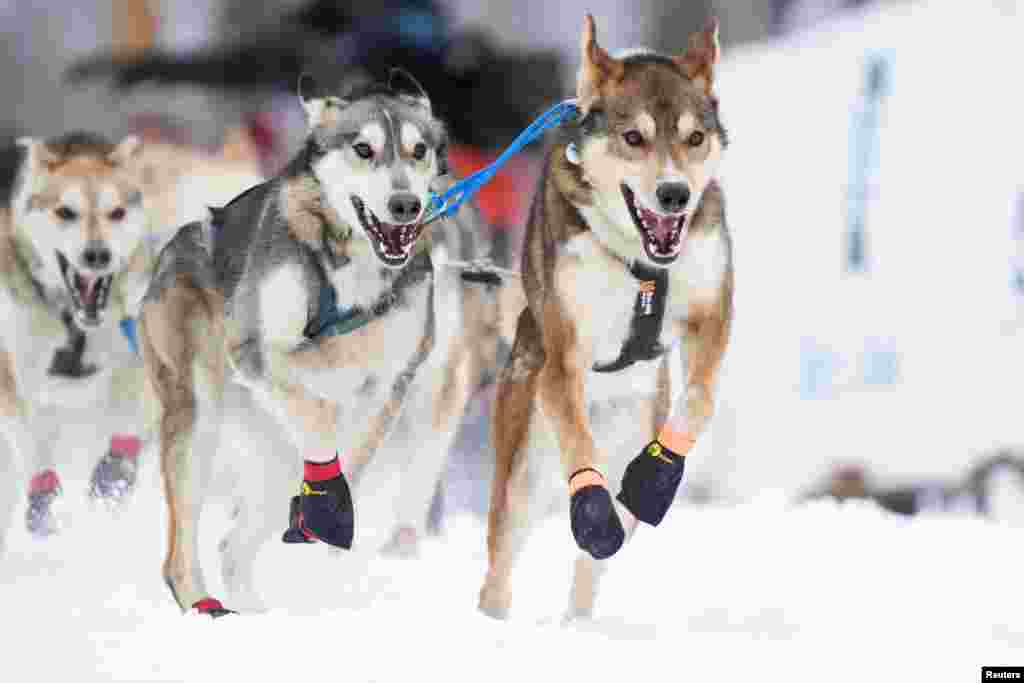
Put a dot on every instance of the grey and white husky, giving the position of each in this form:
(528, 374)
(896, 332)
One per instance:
(320, 298)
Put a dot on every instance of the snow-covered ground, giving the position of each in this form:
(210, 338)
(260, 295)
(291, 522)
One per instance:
(820, 593)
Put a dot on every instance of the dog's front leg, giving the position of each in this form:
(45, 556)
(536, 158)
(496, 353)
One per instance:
(114, 476)
(652, 479)
(16, 440)
(31, 435)
(595, 523)
(323, 510)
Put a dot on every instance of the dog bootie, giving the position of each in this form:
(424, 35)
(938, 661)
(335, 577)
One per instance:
(595, 524)
(650, 483)
(294, 533)
(324, 507)
(43, 489)
(211, 607)
(113, 478)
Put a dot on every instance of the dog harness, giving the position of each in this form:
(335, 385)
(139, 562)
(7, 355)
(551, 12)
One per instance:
(330, 321)
(643, 342)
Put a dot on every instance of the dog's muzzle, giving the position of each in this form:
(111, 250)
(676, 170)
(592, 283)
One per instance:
(89, 293)
(662, 234)
(391, 242)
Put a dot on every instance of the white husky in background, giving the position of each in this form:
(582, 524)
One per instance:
(79, 231)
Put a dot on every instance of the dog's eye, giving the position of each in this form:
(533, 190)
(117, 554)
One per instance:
(633, 138)
(696, 139)
(66, 213)
(363, 150)
(117, 214)
(419, 151)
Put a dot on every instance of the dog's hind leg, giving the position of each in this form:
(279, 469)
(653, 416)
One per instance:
(10, 475)
(434, 417)
(182, 341)
(521, 488)
(267, 474)
(253, 526)
(587, 575)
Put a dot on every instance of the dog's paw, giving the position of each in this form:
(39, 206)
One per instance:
(650, 483)
(44, 490)
(113, 478)
(404, 543)
(294, 532)
(211, 607)
(39, 517)
(326, 512)
(595, 524)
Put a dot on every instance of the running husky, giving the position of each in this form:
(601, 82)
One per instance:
(72, 266)
(626, 264)
(317, 292)
(81, 221)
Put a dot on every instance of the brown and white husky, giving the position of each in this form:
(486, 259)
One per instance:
(628, 275)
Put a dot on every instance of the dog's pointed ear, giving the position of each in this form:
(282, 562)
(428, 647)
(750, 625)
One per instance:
(38, 157)
(314, 100)
(596, 67)
(701, 57)
(408, 88)
(125, 151)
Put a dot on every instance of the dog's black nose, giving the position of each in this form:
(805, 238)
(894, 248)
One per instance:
(404, 207)
(673, 197)
(96, 256)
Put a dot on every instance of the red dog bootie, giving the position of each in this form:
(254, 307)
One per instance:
(211, 607)
(113, 478)
(323, 510)
(43, 489)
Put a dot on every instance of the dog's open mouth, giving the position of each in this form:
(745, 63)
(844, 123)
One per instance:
(662, 235)
(89, 293)
(393, 243)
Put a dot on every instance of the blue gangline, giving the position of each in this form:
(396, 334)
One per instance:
(444, 205)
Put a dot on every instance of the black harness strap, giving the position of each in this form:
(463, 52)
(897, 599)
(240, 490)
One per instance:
(67, 360)
(648, 313)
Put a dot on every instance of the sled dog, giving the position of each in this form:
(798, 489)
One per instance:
(321, 295)
(628, 275)
(80, 222)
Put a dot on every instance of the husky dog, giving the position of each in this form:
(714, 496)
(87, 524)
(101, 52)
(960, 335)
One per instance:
(628, 276)
(73, 259)
(80, 225)
(316, 292)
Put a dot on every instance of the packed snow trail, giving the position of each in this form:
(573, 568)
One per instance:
(824, 592)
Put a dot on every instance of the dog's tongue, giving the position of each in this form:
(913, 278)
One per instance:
(87, 289)
(661, 226)
(392, 239)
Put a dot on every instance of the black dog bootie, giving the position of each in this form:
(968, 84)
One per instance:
(650, 483)
(595, 524)
(323, 510)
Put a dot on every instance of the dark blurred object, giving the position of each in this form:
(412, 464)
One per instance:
(852, 482)
(11, 157)
(983, 478)
(973, 493)
(485, 95)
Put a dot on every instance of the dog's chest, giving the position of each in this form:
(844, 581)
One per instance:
(64, 368)
(607, 301)
(366, 368)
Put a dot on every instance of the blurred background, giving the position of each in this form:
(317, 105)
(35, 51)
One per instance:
(874, 177)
